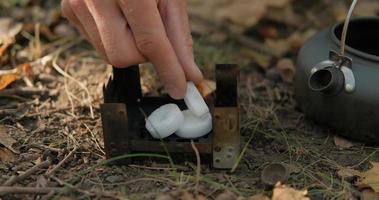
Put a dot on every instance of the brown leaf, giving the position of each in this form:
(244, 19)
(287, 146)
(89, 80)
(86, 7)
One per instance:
(347, 173)
(4, 46)
(6, 140)
(259, 197)
(283, 192)
(13, 75)
(297, 40)
(6, 155)
(342, 143)
(187, 196)
(263, 60)
(277, 3)
(8, 29)
(367, 8)
(164, 197)
(227, 196)
(370, 178)
(7, 79)
(279, 46)
(369, 194)
(286, 69)
(206, 87)
(244, 13)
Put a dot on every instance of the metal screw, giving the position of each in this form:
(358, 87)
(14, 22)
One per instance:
(217, 149)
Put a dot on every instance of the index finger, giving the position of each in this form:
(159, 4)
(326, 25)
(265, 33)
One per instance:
(149, 32)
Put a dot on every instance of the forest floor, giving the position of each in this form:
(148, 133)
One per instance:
(52, 116)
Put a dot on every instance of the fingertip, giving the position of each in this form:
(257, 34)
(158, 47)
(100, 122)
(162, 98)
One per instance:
(177, 90)
(194, 74)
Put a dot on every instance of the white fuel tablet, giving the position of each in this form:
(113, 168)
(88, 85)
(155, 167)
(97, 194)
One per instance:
(193, 126)
(164, 121)
(195, 101)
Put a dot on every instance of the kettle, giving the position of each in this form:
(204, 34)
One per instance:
(342, 91)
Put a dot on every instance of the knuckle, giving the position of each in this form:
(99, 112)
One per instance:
(189, 42)
(148, 44)
(118, 61)
(66, 10)
(77, 5)
(123, 61)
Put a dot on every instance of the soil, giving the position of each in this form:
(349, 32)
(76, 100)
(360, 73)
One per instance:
(54, 126)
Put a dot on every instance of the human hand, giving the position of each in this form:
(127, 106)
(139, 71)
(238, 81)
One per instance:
(129, 32)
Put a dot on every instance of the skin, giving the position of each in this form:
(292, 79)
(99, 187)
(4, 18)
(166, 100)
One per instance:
(129, 32)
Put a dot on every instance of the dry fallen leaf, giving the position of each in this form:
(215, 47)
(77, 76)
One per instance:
(342, 143)
(226, 196)
(277, 3)
(206, 87)
(283, 192)
(8, 29)
(10, 76)
(259, 197)
(6, 155)
(286, 69)
(188, 196)
(263, 60)
(164, 197)
(6, 140)
(244, 13)
(367, 9)
(346, 173)
(7, 42)
(370, 178)
(369, 194)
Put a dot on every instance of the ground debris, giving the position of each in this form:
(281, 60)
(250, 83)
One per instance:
(370, 178)
(342, 143)
(283, 192)
(286, 69)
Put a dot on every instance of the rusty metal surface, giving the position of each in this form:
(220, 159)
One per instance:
(115, 127)
(226, 137)
(173, 144)
(226, 123)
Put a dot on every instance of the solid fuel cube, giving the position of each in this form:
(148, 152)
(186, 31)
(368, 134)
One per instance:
(195, 101)
(164, 121)
(193, 126)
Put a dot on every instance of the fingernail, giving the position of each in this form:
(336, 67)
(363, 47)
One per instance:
(175, 92)
(197, 75)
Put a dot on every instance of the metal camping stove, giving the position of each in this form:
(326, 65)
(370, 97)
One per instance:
(123, 119)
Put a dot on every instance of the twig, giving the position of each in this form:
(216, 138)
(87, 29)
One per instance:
(14, 179)
(29, 190)
(198, 167)
(244, 149)
(25, 91)
(43, 147)
(153, 168)
(88, 193)
(63, 73)
(49, 173)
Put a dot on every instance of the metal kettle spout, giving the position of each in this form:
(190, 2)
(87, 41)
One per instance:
(332, 76)
(329, 81)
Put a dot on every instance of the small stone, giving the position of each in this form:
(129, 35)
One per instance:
(273, 74)
(114, 179)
